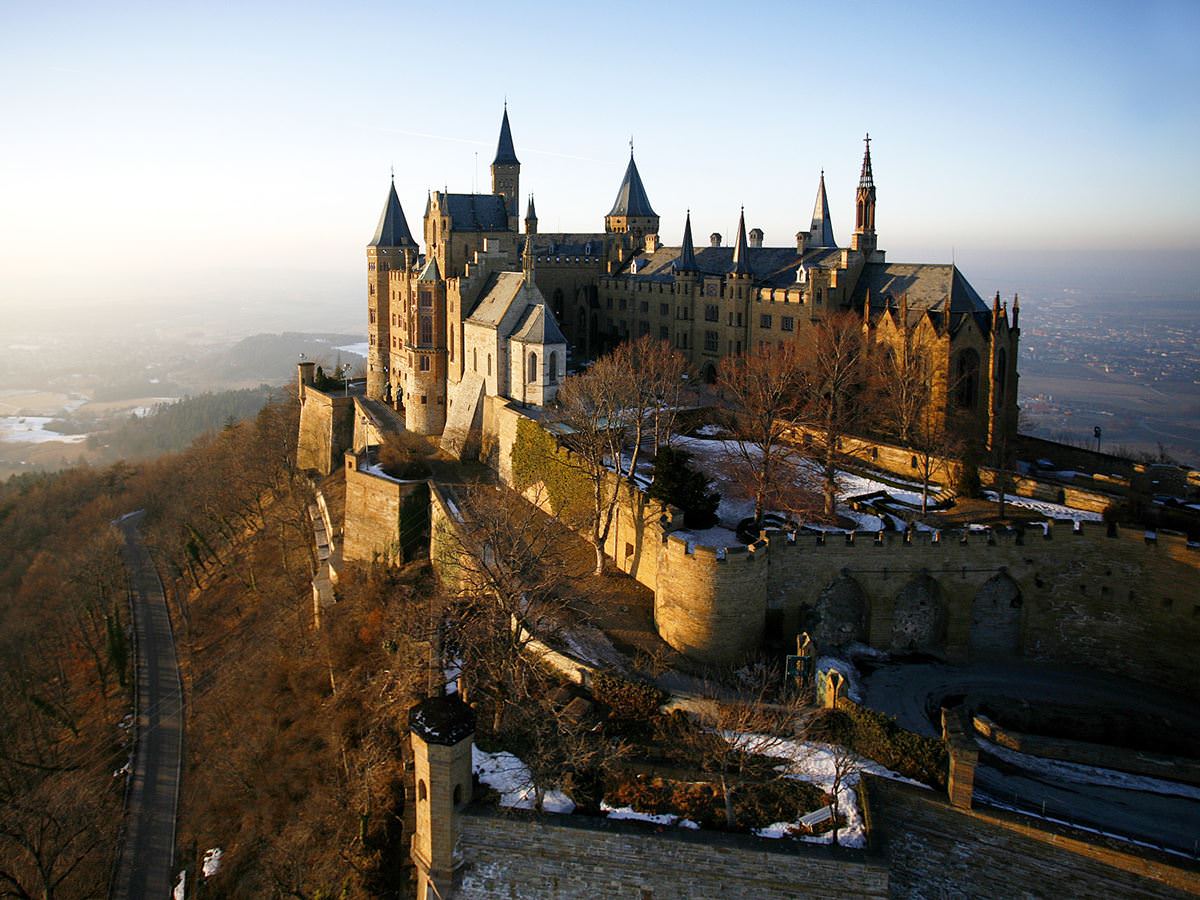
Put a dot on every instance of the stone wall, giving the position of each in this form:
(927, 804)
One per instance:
(513, 855)
(375, 513)
(935, 850)
(326, 430)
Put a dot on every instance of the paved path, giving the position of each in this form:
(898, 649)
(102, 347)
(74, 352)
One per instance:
(914, 693)
(147, 853)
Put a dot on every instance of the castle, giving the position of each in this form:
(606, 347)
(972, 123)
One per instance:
(487, 311)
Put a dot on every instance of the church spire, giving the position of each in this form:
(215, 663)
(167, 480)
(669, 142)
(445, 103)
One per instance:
(864, 205)
(506, 174)
(392, 230)
(741, 249)
(687, 253)
(530, 217)
(820, 233)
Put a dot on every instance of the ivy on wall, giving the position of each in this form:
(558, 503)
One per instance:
(538, 459)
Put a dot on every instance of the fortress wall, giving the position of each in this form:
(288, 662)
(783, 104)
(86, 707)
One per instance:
(326, 430)
(373, 514)
(710, 606)
(936, 850)
(561, 857)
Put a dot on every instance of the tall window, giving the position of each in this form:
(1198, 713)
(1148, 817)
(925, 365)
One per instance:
(474, 359)
(710, 341)
(426, 334)
(552, 367)
(489, 364)
(532, 367)
(967, 375)
(712, 313)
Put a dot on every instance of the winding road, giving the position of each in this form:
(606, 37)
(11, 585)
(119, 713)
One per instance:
(148, 850)
(913, 693)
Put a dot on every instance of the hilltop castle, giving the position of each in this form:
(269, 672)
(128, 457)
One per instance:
(488, 311)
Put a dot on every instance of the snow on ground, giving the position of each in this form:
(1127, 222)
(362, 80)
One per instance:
(511, 778)
(32, 430)
(180, 892)
(212, 862)
(1084, 774)
(359, 349)
(591, 645)
(628, 812)
(853, 484)
(1045, 508)
(816, 763)
(847, 670)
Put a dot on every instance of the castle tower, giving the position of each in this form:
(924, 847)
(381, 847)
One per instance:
(506, 172)
(820, 233)
(425, 362)
(530, 218)
(631, 212)
(392, 247)
(864, 207)
(686, 264)
(441, 730)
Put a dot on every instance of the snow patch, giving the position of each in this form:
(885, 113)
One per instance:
(180, 892)
(212, 862)
(1045, 508)
(509, 776)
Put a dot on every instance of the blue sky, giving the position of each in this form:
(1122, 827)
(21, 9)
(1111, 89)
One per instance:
(212, 152)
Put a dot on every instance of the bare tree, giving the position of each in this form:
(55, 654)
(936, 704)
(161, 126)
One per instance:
(763, 392)
(833, 370)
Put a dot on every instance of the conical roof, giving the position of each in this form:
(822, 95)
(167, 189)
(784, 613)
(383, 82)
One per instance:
(631, 196)
(392, 230)
(687, 253)
(820, 233)
(531, 213)
(866, 178)
(430, 272)
(506, 155)
(741, 249)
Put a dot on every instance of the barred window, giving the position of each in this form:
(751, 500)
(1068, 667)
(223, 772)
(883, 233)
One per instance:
(787, 323)
(764, 321)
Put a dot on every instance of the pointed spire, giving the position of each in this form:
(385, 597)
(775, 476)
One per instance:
(527, 260)
(820, 233)
(741, 249)
(530, 218)
(687, 253)
(631, 196)
(866, 179)
(506, 155)
(392, 230)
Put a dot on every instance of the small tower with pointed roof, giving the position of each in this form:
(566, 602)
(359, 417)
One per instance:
(864, 206)
(530, 217)
(686, 263)
(740, 265)
(631, 212)
(392, 248)
(506, 172)
(820, 232)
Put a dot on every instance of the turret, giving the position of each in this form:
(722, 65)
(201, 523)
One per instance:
(820, 233)
(740, 267)
(391, 248)
(686, 264)
(530, 218)
(631, 212)
(506, 171)
(864, 206)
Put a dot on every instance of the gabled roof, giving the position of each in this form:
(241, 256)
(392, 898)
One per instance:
(506, 154)
(538, 326)
(476, 212)
(820, 233)
(939, 290)
(392, 230)
(497, 298)
(769, 266)
(631, 196)
(565, 243)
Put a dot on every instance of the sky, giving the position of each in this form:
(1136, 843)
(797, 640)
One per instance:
(228, 154)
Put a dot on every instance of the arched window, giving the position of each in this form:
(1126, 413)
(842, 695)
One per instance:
(1001, 372)
(552, 367)
(967, 375)
(422, 794)
(489, 364)
(532, 367)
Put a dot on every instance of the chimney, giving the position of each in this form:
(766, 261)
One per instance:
(652, 243)
(714, 239)
(801, 240)
(756, 237)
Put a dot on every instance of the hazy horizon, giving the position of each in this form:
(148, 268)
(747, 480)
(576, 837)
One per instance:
(209, 159)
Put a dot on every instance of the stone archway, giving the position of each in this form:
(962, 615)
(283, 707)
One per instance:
(996, 619)
(919, 617)
(841, 614)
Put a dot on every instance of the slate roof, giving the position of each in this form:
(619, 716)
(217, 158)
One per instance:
(935, 288)
(631, 196)
(687, 252)
(537, 326)
(563, 243)
(430, 272)
(392, 230)
(741, 250)
(476, 212)
(506, 154)
(820, 233)
(769, 266)
(497, 297)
